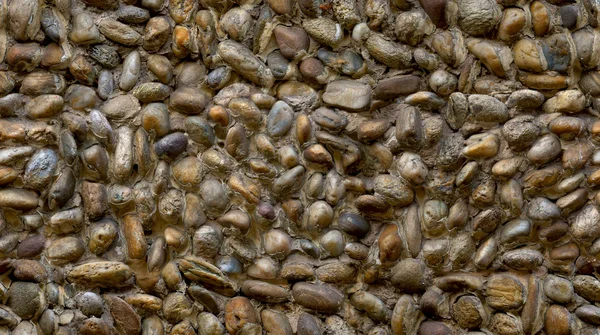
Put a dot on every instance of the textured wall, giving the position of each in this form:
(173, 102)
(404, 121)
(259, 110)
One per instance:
(299, 166)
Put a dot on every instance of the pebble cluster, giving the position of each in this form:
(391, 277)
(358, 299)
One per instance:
(280, 167)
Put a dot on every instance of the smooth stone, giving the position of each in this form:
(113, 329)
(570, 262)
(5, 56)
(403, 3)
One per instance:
(569, 101)
(587, 287)
(279, 120)
(292, 41)
(482, 146)
(18, 199)
(264, 291)
(496, 57)
(65, 250)
(408, 275)
(347, 94)
(161, 67)
(80, 97)
(90, 304)
(84, 30)
(525, 99)
(239, 312)
(200, 131)
(317, 297)
(554, 47)
(171, 145)
(131, 71)
(106, 84)
(544, 150)
(436, 10)
(542, 210)
(512, 23)
(188, 100)
(396, 86)
(558, 289)
(151, 92)
(523, 259)
(38, 83)
(589, 314)
(29, 270)
(353, 224)
(121, 107)
(540, 17)
(586, 226)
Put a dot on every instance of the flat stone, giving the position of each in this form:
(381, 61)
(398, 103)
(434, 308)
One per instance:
(347, 94)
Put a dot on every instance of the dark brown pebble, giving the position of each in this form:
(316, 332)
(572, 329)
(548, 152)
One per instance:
(436, 9)
(317, 297)
(31, 247)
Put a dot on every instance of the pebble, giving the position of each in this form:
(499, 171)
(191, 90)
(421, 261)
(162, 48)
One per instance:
(304, 152)
(544, 149)
(495, 57)
(105, 55)
(188, 100)
(450, 47)
(484, 108)
(119, 32)
(504, 292)
(346, 94)
(413, 26)
(276, 322)
(482, 146)
(65, 250)
(569, 101)
(512, 23)
(293, 41)
(317, 297)
(264, 291)
(101, 274)
(29, 270)
(396, 86)
(254, 69)
(131, 71)
(324, 31)
(25, 299)
(239, 312)
(90, 304)
(279, 120)
(589, 314)
(126, 319)
(394, 55)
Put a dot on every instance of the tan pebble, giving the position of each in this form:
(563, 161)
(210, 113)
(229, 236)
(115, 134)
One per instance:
(540, 17)
(482, 146)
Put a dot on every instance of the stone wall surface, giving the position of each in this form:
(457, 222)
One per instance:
(280, 167)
